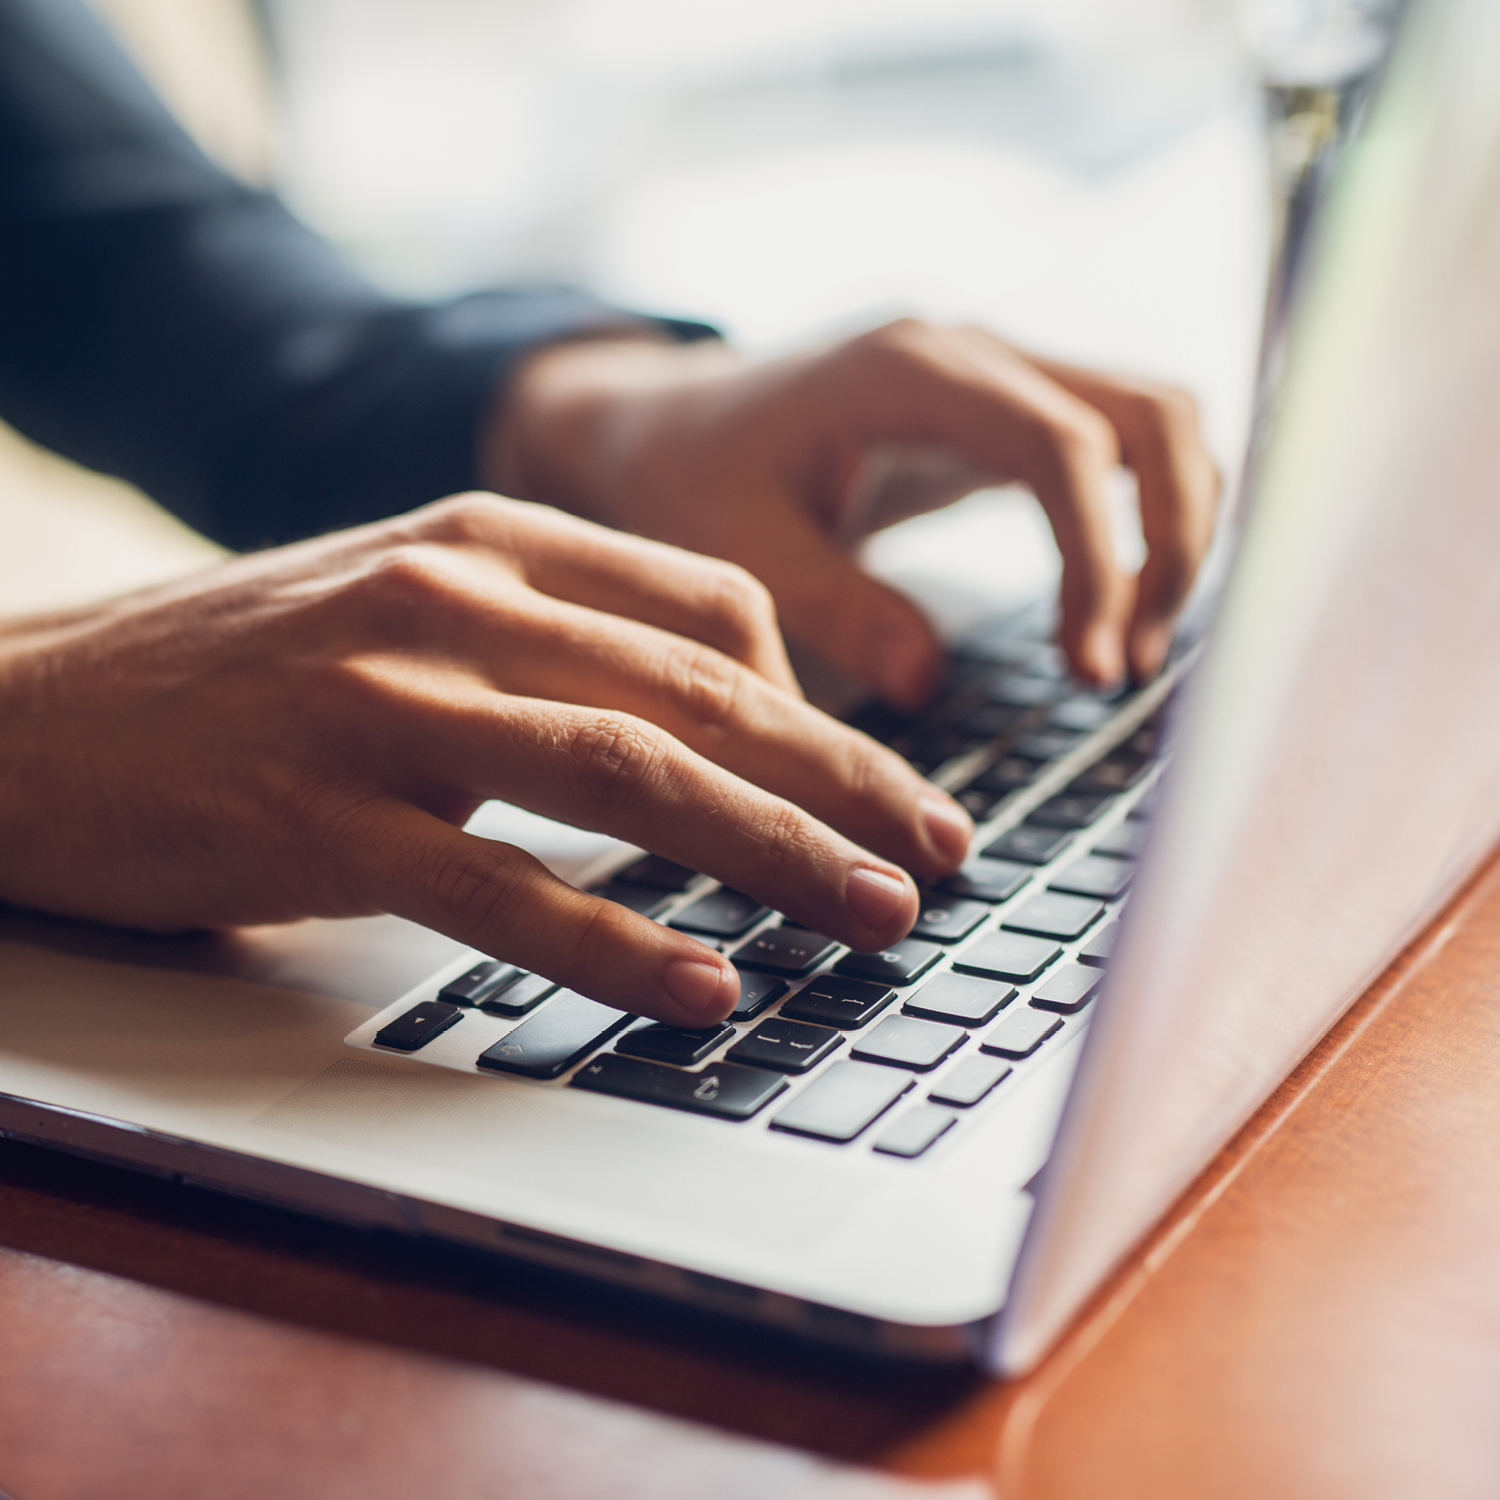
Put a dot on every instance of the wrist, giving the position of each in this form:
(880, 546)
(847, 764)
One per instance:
(567, 423)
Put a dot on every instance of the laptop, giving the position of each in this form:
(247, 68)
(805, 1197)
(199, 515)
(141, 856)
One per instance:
(939, 1151)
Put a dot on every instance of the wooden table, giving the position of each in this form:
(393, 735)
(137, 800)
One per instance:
(1319, 1317)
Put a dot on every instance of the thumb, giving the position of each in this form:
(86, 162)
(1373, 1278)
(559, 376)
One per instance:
(826, 601)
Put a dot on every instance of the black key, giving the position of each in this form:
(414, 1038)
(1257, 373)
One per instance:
(832, 1001)
(1100, 948)
(1081, 715)
(1017, 690)
(1046, 744)
(722, 1090)
(1008, 773)
(672, 1044)
(757, 991)
(986, 720)
(722, 913)
(639, 898)
(936, 749)
(523, 993)
(977, 803)
(418, 1026)
(961, 999)
(1070, 811)
(1020, 1033)
(483, 979)
(992, 880)
(661, 874)
(949, 921)
(840, 1104)
(899, 964)
(1003, 955)
(1029, 845)
(785, 950)
(915, 1131)
(1124, 842)
(556, 1037)
(1117, 772)
(1049, 915)
(1068, 990)
(786, 1046)
(970, 1081)
(906, 1042)
(1091, 876)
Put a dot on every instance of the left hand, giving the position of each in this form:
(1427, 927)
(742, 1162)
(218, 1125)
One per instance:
(769, 466)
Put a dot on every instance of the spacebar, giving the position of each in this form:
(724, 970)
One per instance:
(724, 1090)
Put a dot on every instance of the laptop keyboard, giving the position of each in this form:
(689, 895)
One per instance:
(889, 1052)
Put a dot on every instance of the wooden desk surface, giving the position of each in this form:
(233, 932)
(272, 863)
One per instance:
(1320, 1317)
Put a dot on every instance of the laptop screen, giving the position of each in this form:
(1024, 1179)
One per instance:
(1337, 775)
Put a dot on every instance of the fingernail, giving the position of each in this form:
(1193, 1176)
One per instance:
(876, 896)
(695, 986)
(1148, 649)
(948, 827)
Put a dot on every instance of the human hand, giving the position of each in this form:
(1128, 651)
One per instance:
(303, 732)
(770, 466)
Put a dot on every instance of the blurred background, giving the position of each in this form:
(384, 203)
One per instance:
(1093, 178)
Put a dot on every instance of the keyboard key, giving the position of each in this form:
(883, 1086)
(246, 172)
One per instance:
(1054, 916)
(1046, 744)
(722, 1090)
(1081, 715)
(786, 1046)
(1145, 809)
(1020, 1033)
(992, 880)
(418, 1026)
(722, 913)
(757, 991)
(1107, 879)
(906, 1042)
(1100, 948)
(639, 898)
(970, 1081)
(547, 1045)
(661, 874)
(785, 950)
(977, 803)
(1029, 845)
(899, 964)
(960, 999)
(471, 988)
(949, 921)
(832, 1001)
(1117, 772)
(672, 1044)
(1018, 690)
(915, 1130)
(1070, 811)
(1067, 990)
(1003, 955)
(841, 1103)
(986, 720)
(1008, 773)
(1123, 842)
(524, 992)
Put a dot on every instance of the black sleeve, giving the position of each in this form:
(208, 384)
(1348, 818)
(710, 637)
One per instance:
(163, 322)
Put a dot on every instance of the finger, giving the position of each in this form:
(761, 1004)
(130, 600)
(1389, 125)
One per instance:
(1007, 418)
(1179, 485)
(723, 711)
(617, 774)
(506, 903)
(864, 627)
(704, 599)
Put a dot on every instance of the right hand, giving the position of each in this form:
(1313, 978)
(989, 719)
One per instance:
(303, 732)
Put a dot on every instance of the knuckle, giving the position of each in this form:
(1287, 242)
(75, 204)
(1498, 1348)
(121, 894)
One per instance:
(409, 573)
(480, 889)
(743, 605)
(471, 517)
(708, 687)
(781, 834)
(1082, 438)
(614, 756)
(903, 341)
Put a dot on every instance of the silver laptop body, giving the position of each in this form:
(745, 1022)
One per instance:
(1334, 778)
